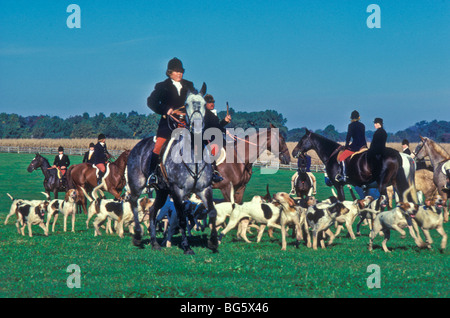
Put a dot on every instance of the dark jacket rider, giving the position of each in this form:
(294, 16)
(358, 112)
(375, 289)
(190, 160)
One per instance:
(168, 97)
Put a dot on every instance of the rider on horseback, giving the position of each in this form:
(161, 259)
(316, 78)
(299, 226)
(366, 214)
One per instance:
(89, 155)
(61, 162)
(167, 100)
(212, 120)
(101, 156)
(377, 146)
(357, 133)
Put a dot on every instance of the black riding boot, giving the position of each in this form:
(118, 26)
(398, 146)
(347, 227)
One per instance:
(154, 161)
(342, 177)
(63, 182)
(100, 177)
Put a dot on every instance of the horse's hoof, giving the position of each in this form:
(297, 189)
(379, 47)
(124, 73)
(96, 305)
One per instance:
(137, 243)
(213, 244)
(156, 247)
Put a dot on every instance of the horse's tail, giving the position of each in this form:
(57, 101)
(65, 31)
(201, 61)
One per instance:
(405, 178)
(70, 183)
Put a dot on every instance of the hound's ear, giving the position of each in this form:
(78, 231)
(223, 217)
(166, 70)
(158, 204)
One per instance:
(360, 203)
(404, 206)
(203, 89)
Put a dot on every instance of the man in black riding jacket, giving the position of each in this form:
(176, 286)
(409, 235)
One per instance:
(377, 146)
(61, 162)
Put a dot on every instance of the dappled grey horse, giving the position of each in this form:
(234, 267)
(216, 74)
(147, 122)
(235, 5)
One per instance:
(183, 173)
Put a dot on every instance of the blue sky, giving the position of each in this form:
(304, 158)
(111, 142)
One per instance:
(313, 61)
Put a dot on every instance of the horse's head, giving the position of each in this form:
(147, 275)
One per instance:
(303, 145)
(35, 163)
(284, 156)
(420, 151)
(302, 162)
(195, 110)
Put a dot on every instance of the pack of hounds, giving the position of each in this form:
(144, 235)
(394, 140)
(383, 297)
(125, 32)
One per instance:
(308, 219)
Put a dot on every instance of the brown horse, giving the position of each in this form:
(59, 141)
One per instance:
(239, 171)
(439, 158)
(83, 178)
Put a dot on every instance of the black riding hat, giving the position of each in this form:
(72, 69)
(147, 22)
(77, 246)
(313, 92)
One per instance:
(175, 65)
(209, 98)
(354, 115)
(378, 121)
(91, 145)
(60, 148)
(405, 142)
(101, 136)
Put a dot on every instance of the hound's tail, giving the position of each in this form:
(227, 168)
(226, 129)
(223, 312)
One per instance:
(10, 196)
(86, 195)
(334, 192)
(232, 194)
(46, 195)
(97, 188)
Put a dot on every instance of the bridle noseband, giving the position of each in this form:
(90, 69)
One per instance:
(418, 148)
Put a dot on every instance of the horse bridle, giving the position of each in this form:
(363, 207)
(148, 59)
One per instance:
(32, 164)
(418, 148)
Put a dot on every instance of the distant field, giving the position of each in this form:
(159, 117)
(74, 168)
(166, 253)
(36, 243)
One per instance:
(112, 267)
(113, 144)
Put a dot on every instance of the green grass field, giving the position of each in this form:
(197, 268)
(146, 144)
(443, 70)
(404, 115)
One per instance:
(113, 267)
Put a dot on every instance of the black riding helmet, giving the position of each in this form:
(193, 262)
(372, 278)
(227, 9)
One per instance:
(354, 115)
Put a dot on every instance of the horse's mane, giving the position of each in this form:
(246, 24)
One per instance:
(123, 157)
(326, 140)
(43, 158)
(439, 149)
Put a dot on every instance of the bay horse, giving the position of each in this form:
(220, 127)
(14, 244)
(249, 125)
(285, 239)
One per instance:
(51, 180)
(359, 170)
(303, 183)
(82, 177)
(238, 173)
(177, 178)
(438, 157)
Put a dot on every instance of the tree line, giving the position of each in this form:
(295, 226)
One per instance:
(139, 126)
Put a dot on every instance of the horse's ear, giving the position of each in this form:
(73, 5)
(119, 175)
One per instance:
(272, 126)
(421, 138)
(308, 132)
(203, 89)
